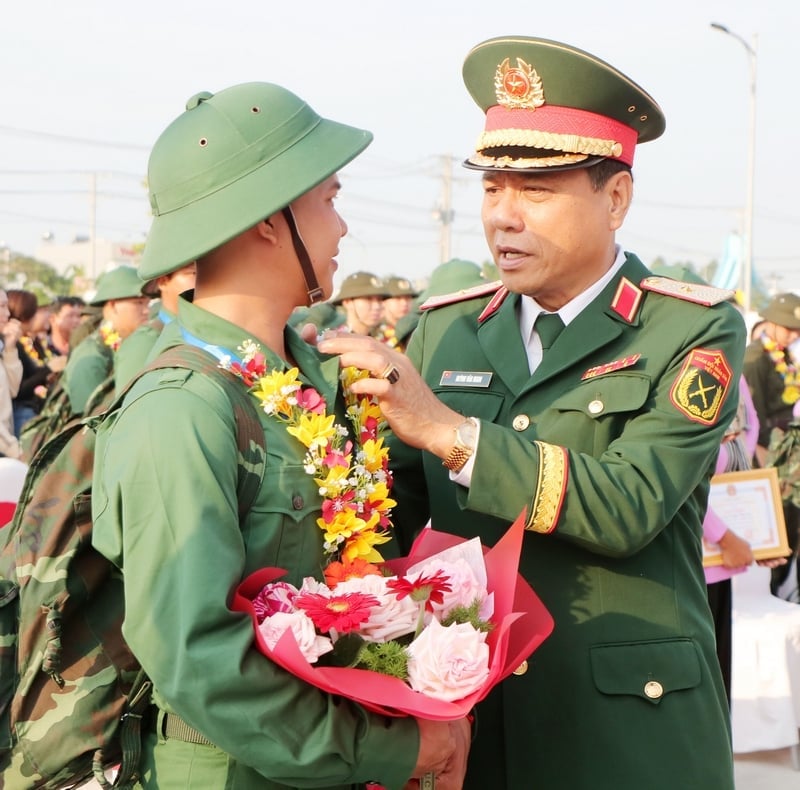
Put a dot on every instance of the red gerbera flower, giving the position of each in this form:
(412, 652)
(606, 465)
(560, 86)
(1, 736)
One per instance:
(430, 589)
(340, 613)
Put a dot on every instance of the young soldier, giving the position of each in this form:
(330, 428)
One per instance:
(244, 183)
(124, 307)
(361, 298)
(605, 435)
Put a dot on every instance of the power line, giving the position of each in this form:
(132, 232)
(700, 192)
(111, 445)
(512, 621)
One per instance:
(73, 140)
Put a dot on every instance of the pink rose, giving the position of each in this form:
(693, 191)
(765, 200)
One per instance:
(448, 663)
(311, 644)
(389, 620)
(465, 587)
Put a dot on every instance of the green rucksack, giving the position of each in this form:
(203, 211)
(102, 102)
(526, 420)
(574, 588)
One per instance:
(71, 692)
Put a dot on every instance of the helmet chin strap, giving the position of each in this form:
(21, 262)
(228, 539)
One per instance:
(312, 285)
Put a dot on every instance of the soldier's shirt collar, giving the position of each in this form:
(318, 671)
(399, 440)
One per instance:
(530, 308)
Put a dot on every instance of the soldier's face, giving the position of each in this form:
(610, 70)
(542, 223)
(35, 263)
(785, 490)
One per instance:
(552, 234)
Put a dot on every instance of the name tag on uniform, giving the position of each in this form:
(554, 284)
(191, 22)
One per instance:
(465, 378)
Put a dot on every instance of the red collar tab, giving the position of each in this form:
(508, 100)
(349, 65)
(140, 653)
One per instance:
(626, 300)
(494, 304)
(690, 292)
(460, 296)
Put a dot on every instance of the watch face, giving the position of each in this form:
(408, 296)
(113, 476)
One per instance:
(466, 433)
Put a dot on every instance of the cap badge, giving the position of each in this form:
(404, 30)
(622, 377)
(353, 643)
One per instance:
(796, 312)
(518, 88)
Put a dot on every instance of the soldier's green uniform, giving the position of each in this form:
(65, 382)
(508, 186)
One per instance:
(165, 493)
(189, 552)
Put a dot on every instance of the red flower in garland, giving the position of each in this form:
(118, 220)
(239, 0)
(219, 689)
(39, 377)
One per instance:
(252, 370)
(341, 613)
(430, 589)
(357, 568)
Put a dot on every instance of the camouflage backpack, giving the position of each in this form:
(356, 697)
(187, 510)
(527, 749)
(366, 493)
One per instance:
(71, 692)
(784, 454)
(56, 412)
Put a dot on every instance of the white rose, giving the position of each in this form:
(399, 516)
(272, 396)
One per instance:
(311, 644)
(448, 663)
(391, 618)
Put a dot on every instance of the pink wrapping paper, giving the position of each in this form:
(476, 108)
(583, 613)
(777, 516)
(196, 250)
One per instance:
(521, 624)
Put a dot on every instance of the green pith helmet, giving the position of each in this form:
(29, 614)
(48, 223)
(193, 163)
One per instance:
(361, 284)
(232, 159)
(120, 283)
(453, 275)
(400, 286)
(550, 105)
(783, 310)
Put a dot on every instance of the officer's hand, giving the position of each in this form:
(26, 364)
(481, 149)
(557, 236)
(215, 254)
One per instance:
(413, 412)
(443, 750)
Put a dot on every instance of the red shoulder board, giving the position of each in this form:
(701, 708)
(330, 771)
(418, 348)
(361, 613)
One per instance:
(461, 296)
(690, 292)
(626, 300)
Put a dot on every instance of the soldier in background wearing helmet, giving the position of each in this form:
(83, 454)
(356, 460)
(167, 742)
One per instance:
(593, 397)
(361, 300)
(244, 183)
(124, 308)
(136, 348)
(396, 306)
(774, 382)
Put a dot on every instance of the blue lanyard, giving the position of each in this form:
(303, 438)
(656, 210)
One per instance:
(217, 351)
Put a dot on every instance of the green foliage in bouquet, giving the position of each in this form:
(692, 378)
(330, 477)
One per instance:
(388, 658)
(468, 614)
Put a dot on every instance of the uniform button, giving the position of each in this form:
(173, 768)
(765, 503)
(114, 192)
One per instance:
(297, 502)
(596, 406)
(521, 422)
(653, 689)
(522, 668)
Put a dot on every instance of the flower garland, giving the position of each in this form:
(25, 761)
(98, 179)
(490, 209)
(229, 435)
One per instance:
(109, 335)
(32, 352)
(787, 371)
(353, 477)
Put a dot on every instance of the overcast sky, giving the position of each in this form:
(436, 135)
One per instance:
(88, 85)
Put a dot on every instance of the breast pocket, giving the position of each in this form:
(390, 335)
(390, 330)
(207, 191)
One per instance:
(589, 417)
(281, 528)
(481, 403)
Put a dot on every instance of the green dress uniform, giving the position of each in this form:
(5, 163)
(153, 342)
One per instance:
(164, 504)
(609, 446)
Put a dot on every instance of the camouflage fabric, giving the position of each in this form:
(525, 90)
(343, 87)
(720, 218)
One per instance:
(784, 454)
(65, 670)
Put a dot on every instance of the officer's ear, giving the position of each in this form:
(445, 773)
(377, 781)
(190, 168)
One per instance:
(619, 190)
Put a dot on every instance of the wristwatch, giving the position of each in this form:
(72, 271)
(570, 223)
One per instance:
(464, 446)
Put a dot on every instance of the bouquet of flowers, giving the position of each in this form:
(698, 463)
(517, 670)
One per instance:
(428, 635)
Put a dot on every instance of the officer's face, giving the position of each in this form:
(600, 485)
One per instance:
(552, 234)
(322, 228)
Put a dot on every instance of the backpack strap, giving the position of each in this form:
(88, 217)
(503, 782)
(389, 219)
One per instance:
(248, 431)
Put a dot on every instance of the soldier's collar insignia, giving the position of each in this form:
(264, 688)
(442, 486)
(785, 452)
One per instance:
(484, 289)
(626, 300)
(610, 367)
(701, 386)
(493, 305)
(518, 87)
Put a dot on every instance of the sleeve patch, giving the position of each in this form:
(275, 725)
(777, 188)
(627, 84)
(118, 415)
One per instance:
(701, 386)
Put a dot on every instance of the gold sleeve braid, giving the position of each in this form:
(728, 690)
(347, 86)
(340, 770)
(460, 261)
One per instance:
(551, 486)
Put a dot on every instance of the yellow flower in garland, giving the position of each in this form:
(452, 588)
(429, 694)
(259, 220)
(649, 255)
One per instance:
(787, 371)
(109, 335)
(352, 475)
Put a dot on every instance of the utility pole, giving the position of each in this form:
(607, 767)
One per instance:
(93, 224)
(444, 213)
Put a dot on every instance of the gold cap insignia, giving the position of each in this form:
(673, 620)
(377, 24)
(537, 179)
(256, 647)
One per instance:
(519, 87)
(796, 312)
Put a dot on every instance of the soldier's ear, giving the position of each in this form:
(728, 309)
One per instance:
(619, 189)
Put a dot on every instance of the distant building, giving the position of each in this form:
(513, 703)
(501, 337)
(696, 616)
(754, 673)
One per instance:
(90, 258)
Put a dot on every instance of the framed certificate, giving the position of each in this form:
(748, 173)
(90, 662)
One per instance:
(750, 504)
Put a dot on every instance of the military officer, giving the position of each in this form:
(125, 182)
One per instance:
(244, 183)
(593, 397)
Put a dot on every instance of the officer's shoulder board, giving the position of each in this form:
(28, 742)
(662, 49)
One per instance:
(698, 293)
(484, 289)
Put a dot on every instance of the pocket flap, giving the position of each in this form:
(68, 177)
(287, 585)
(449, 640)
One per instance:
(646, 669)
(610, 394)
